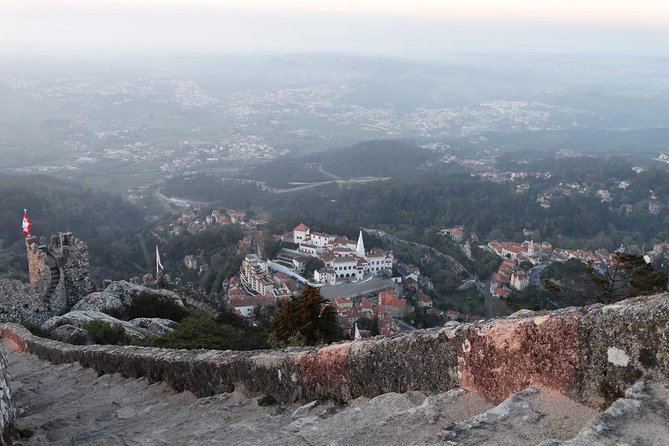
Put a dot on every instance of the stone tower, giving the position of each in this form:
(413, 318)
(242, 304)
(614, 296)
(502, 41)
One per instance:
(60, 267)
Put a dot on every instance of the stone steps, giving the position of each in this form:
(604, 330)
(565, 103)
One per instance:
(66, 404)
(641, 418)
(528, 417)
(54, 280)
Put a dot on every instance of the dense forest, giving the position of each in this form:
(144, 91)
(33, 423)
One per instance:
(418, 198)
(55, 205)
(419, 206)
(380, 158)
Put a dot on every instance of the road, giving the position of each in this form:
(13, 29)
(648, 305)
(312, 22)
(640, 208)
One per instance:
(535, 274)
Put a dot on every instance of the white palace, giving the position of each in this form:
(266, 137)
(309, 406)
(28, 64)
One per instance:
(344, 258)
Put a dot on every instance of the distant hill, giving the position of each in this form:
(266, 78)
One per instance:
(378, 158)
(608, 142)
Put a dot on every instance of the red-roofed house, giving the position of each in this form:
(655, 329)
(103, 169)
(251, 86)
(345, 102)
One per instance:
(501, 293)
(392, 303)
(519, 280)
(300, 233)
(343, 303)
(424, 301)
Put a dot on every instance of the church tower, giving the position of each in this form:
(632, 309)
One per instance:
(360, 249)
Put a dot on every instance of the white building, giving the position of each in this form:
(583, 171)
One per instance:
(346, 267)
(343, 258)
(308, 249)
(255, 277)
(326, 275)
(301, 233)
(519, 280)
(320, 240)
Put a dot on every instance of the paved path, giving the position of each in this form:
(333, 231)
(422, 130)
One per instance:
(68, 405)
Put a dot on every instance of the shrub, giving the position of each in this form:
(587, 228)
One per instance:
(37, 330)
(102, 332)
(266, 400)
(203, 331)
(77, 339)
(113, 312)
(148, 304)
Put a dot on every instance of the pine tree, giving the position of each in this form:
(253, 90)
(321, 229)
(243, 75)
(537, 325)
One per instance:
(628, 275)
(305, 320)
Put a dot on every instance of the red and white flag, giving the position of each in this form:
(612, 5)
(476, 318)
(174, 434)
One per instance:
(26, 224)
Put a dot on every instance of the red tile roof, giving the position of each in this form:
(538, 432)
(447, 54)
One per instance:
(390, 299)
(301, 227)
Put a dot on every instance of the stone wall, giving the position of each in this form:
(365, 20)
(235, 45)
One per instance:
(591, 354)
(7, 412)
(23, 302)
(76, 269)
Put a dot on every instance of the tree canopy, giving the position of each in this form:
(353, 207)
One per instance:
(307, 319)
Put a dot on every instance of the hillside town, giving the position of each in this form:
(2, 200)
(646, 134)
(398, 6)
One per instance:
(359, 283)
(368, 283)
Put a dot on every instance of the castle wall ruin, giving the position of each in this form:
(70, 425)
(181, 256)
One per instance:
(59, 274)
(591, 354)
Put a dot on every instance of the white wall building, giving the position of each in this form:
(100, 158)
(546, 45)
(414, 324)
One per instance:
(301, 233)
(343, 258)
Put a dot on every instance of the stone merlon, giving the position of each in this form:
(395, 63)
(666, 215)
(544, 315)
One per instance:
(591, 354)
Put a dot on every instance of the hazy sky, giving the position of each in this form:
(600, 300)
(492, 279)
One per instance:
(418, 27)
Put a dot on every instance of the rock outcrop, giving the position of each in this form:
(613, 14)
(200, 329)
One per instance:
(118, 296)
(80, 320)
(154, 325)
(641, 417)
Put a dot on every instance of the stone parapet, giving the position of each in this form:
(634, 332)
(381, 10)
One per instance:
(7, 412)
(591, 354)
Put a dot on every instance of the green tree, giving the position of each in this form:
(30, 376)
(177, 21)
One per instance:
(312, 264)
(628, 275)
(307, 319)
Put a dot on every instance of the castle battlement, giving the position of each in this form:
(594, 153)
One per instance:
(60, 261)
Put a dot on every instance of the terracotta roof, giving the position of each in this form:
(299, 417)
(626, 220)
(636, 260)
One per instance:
(301, 227)
(390, 299)
(246, 300)
(342, 301)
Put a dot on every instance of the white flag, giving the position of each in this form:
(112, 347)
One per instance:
(357, 336)
(158, 264)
